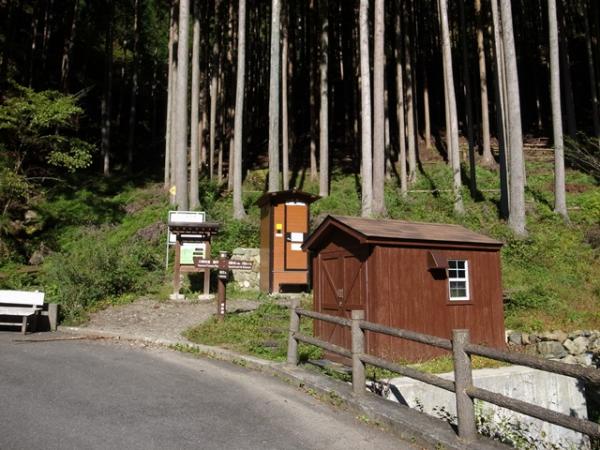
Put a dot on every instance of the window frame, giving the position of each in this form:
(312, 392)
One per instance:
(463, 299)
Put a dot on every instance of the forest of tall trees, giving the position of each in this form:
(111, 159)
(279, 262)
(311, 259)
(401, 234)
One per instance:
(213, 88)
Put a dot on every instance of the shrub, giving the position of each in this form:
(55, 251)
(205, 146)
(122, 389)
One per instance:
(94, 270)
(236, 233)
(532, 297)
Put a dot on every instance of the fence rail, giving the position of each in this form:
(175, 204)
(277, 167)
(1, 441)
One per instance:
(410, 335)
(410, 372)
(462, 386)
(325, 317)
(325, 345)
(570, 370)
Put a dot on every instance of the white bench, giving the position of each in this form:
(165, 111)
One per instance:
(22, 304)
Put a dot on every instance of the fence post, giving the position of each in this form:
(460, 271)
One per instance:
(463, 379)
(358, 349)
(292, 354)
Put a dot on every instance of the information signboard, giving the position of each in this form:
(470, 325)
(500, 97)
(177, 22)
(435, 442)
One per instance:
(189, 250)
(184, 217)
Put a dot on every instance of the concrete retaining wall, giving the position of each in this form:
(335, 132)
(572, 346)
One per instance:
(556, 392)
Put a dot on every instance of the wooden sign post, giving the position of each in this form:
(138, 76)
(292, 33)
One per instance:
(184, 233)
(224, 264)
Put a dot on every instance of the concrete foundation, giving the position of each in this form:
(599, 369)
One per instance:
(555, 392)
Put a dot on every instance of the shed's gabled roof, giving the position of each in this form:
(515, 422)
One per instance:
(369, 231)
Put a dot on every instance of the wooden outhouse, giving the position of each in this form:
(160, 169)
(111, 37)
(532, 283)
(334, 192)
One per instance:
(428, 278)
(284, 219)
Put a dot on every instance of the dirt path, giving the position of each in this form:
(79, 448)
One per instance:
(160, 319)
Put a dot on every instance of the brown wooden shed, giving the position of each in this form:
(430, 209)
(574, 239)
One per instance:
(284, 218)
(428, 278)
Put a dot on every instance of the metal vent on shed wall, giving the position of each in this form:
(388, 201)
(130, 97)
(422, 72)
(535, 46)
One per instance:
(436, 260)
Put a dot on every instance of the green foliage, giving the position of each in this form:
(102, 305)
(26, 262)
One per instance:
(37, 142)
(94, 270)
(343, 201)
(35, 127)
(80, 207)
(218, 207)
(14, 188)
(12, 184)
(236, 233)
(590, 203)
(549, 277)
(209, 195)
(107, 249)
(511, 431)
(13, 277)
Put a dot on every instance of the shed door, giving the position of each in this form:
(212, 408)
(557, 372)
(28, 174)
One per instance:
(342, 289)
(296, 227)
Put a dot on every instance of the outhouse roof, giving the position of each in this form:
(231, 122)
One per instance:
(285, 196)
(369, 231)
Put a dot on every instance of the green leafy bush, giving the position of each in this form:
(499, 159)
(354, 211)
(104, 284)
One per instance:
(39, 142)
(94, 270)
(14, 278)
(208, 194)
(37, 128)
(236, 233)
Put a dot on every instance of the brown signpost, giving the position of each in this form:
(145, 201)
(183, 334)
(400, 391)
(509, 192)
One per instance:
(224, 264)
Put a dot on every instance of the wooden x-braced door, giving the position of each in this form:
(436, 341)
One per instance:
(342, 282)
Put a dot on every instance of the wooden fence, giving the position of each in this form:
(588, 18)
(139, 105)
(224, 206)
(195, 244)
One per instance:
(462, 385)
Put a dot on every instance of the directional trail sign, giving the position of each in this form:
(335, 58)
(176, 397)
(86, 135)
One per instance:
(206, 263)
(234, 264)
(224, 264)
(228, 264)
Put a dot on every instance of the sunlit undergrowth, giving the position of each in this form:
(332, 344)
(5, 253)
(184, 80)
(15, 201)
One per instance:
(101, 248)
(550, 279)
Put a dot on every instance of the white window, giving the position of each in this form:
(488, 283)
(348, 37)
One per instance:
(458, 279)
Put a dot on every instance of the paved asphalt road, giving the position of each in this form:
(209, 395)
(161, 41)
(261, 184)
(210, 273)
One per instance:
(104, 395)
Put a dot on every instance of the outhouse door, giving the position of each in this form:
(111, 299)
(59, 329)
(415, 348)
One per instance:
(296, 227)
(342, 281)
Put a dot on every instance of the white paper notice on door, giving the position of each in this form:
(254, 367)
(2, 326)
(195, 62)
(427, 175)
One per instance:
(296, 237)
(296, 246)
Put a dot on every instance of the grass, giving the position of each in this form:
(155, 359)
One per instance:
(262, 333)
(550, 279)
